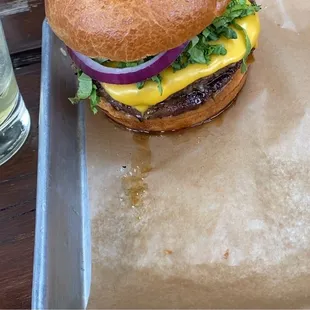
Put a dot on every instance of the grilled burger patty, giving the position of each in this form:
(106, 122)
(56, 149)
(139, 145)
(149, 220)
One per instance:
(187, 99)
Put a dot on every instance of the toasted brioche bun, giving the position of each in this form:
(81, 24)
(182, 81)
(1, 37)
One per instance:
(129, 30)
(208, 110)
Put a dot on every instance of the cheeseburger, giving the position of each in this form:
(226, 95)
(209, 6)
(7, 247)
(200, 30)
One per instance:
(158, 65)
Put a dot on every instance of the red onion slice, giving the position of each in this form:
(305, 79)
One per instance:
(129, 75)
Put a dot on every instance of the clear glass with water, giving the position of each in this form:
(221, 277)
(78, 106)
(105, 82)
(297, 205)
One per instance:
(14, 117)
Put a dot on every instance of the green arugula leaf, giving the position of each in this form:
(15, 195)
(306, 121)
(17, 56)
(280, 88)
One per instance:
(248, 47)
(85, 86)
(86, 90)
(221, 22)
(210, 34)
(218, 49)
(194, 42)
(140, 85)
(94, 99)
(74, 100)
(176, 66)
(181, 63)
(229, 33)
(157, 79)
(198, 55)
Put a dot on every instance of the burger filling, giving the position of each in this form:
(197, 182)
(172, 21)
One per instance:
(185, 100)
(204, 68)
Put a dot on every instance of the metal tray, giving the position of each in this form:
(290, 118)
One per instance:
(62, 259)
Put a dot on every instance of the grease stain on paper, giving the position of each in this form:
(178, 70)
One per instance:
(226, 254)
(168, 252)
(134, 182)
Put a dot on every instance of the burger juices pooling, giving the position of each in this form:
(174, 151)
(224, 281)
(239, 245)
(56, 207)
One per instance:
(158, 65)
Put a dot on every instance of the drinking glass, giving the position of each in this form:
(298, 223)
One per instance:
(14, 117)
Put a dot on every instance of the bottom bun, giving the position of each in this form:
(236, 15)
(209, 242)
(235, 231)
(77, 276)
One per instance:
(211, 108)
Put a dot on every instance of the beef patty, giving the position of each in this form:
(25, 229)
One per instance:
(187, 99)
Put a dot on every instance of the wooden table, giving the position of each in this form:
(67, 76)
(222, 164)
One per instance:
(22, 22)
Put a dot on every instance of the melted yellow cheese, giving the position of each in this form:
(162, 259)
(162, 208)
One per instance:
(173, 82)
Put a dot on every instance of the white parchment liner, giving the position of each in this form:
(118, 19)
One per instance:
(217, 216)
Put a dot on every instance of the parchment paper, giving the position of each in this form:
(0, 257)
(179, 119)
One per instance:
(217, 216)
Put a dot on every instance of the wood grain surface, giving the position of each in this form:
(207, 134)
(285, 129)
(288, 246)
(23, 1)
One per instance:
(17, 205)
(22, 21)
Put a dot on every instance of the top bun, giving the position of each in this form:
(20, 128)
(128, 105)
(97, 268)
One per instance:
(127, 30)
